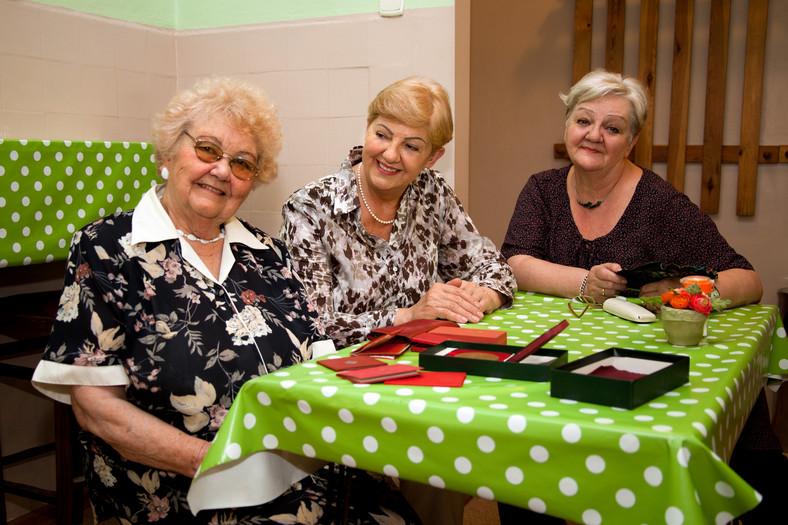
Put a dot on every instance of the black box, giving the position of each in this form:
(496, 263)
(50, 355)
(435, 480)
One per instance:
(429, 360)
(572, 381)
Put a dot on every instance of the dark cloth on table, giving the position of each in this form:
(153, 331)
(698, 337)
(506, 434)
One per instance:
(659, 224)
(187, 344)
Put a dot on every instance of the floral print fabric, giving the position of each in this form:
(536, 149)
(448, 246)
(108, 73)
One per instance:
(356, 280)
(659, 224)
(187, 344)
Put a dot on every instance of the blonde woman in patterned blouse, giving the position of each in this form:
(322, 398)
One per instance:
(385, 240)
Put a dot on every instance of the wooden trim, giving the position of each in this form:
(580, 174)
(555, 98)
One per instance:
(614, 48)
(679, 97)
(647, 73)
(581, 62)
(716, 76)
(751, 107)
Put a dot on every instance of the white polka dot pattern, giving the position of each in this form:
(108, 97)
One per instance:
(52, 188)
(510, 441)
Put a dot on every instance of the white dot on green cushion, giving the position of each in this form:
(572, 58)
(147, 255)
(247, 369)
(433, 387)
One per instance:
(723, 518)
(391, 470)
(571, 433)
(415, 454)
(349, 461)
(674, 516)
(249, 420)
(15, 217)
(567, 486)
(435, 435)
(287, 384)
(233, 451)
(345, 415)
(328, 434)
(485, 444)
(595, 464)
(370, 444)
(289, 424)
(465, 414)
(629, 443)
(437, 482)
(417, 406)
(589, 411)
(308, 450)
(388, 424)
(539, 454)
(700, 427)
(264, 399)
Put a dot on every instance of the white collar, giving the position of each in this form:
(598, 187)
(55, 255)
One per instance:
(151, 223)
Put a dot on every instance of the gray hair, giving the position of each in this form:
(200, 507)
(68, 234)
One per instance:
(600, 83)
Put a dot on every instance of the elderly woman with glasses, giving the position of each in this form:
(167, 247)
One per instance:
(169, 308)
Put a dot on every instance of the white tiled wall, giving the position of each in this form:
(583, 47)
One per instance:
(68, 75)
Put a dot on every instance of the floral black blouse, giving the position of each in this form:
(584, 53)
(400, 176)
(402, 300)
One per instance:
(358, 281)
(140, 314)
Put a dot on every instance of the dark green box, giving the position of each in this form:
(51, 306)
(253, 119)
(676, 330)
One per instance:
(569, 382)
(482, 367)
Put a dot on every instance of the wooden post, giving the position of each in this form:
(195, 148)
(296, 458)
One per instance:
(581, 61)
(751, 106)
(679, 97)
(647, 73)
(716, 76)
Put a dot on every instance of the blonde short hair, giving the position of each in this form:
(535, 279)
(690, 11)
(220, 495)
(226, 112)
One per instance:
(416, 102)
(241, 104)
(600, 83)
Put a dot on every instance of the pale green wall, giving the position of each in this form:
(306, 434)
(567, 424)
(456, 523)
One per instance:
(201, 14)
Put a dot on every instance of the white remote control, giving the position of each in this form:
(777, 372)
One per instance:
(629, 311)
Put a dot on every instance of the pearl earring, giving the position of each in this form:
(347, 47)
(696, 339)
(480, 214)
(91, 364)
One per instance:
(165, 173)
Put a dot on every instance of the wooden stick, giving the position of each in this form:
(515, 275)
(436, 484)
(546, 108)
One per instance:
(614, 48)
(751, 106)
(716, 76)
(679, 97)
(581, 60)
(647, 73)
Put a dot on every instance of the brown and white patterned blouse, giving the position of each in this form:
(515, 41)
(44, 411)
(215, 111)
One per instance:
(357, 280)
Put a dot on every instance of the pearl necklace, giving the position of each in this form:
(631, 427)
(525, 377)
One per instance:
(193, 237)
(591, 205)
(364, 200)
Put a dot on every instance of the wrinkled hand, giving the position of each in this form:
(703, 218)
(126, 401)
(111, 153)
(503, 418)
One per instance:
(603, 282)
(459, 301)
(659, 287)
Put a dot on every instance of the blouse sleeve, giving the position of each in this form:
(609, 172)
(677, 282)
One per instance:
(528, 228)
(466, 254)
(302, 224)
(88, 331)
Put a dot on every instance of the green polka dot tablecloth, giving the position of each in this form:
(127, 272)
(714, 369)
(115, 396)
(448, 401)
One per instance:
(49, 189)
(663, 462)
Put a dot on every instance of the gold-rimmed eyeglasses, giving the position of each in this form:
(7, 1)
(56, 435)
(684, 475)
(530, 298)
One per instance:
(209, 152)
(584, 302)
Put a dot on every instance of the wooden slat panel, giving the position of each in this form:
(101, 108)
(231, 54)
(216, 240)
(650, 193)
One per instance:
(679, 97)
(647, 73)
(751, 106)
(694, 153)
(614, 48)
(581, 63)
(716, 75)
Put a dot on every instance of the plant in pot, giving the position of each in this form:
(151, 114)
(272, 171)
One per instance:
(685, 311)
